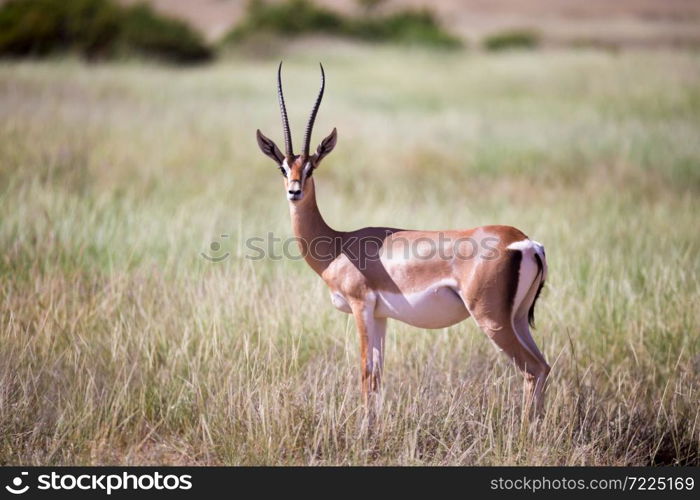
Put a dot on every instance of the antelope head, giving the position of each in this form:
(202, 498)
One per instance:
(297, 169)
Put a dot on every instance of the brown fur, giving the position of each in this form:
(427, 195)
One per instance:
(372, 272)
(488, 287)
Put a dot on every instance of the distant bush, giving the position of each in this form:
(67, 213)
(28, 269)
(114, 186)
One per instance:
(94, 29)
(408, 26)
(289, 18)
(147, 33)
(299, 17)
(512, 39)
(39, 27)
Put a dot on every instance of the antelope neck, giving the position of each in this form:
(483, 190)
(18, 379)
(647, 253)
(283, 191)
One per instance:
(317, 240)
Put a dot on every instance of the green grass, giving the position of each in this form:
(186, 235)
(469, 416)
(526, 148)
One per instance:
(120, 344)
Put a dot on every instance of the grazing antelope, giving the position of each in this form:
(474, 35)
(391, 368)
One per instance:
(428, 279)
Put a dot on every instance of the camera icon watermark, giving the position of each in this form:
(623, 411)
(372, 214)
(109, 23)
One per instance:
(16, 488)
(215, 248)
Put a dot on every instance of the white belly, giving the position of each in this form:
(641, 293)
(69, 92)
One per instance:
(438, 306)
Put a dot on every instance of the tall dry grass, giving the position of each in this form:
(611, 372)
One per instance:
(121, 344)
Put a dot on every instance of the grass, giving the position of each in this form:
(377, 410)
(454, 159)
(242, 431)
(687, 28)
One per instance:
(120, 344)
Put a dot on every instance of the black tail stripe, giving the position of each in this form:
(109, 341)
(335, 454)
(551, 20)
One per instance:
(514, 274)
(531, 312)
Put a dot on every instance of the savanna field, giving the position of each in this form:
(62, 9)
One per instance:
(121, 344)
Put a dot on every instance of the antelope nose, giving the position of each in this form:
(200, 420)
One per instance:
(294, 192)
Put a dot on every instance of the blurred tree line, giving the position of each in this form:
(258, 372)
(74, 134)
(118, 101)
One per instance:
(105, 29)
(301, 17)
(96, 29)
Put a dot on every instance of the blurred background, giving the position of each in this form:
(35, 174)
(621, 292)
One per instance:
(136, 330)
(187, 30)
(649, 23)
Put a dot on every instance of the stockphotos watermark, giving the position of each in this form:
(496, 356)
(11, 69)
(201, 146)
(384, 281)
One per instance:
(362, 251)
(101, 483)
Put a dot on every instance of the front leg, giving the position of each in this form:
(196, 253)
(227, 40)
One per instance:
(371, 331)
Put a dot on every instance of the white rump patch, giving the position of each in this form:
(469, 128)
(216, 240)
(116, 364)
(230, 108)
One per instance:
(527, 278)
(528, 270)
(528, 247)
(521, 245)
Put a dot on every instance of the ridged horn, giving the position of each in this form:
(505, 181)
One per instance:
(285, 121)
(312, 117)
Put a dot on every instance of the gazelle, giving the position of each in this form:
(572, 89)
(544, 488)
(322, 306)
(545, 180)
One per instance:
(428, 279)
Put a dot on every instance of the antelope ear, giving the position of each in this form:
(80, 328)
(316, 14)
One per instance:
(269, 148)
(326, 145)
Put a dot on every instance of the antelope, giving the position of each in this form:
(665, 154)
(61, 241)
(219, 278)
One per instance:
(426, 279)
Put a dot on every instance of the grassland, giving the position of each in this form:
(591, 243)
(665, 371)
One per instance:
(120, 344)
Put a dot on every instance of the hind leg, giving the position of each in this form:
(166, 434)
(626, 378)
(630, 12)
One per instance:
(521, 326)
(532, 364)
(495, 298)
(536, 386)
(498, 294)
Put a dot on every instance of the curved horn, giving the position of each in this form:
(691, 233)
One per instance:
(285, 121)
(312, 118)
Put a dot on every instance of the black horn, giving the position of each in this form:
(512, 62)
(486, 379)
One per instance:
(312, 118)
(285, 121)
